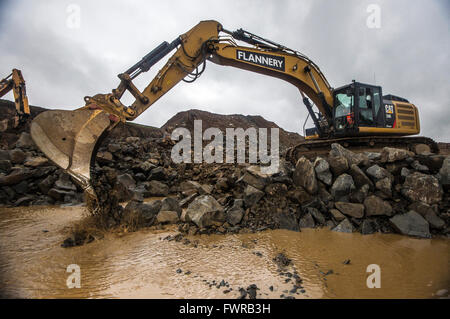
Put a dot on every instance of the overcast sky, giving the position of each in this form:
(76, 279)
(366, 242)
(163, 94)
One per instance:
(408, 55)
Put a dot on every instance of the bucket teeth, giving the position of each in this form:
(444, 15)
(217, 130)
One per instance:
(70, 140)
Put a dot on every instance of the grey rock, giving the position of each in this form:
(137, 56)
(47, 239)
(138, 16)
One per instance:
(252, 195)
(65, 183)
(304, 175)
(411, 224)
(5, 166)
(373, 156)
(17, 156)
(141, 212)
(375, 206)
(419, 167)
(157, 173)
(46, 184)
(385, 186)
(235, 212)
(428, 213)
(377, 173)
(423, 188)
(338, 164)
(367, 227)
(337, 215)
(322, 169)
(157, 188)
(126, 180)
(359, 177)
(318, 217)
(307, 221)
(299, 196)
(342, 186)
(287, 221)
(350, 209)
(344, 227)
(352, 158)
(205, 211)
(25, 141)
(15, 176)
(171, 204)
(254, 177)
(389, 154)
(167, 216)
(405, 172)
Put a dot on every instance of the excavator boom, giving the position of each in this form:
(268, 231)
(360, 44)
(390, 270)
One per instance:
(16, 83)
(70, 138)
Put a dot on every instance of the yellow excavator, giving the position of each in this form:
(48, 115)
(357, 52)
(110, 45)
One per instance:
(16, 83)
(354, 115)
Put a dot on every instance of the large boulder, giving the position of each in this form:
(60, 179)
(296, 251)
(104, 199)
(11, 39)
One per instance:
(65, 183)
(316, 214)
(25, 141)
(306, 221)
(305, 176)
(171, 204)
(377, 172)
(254, 177)
(337, 215)
(385, 186)
(428, 213)
(167, 217)
(359, 177)
(444, 173)
(338, 164)
(205, 211)
(299, 196)
(423, 188)
(375, 206)
(157, 188)
(235, 212)
(411, 224)
(322, 169)
(252, 195)
(352, 158)
(389, 154)
(141, 213)
(17, 156)
(342, 186)
(126, 180)
(16, 176)
(351, 209)
(344, 226)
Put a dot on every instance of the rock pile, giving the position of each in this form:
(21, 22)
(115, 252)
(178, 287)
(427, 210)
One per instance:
(28, 178)
(393, 191)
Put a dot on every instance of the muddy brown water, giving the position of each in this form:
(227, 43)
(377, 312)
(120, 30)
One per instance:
(142, 265)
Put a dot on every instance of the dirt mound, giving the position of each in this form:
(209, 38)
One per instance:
(186, 119)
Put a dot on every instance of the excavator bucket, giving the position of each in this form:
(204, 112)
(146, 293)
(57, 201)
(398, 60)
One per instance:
(70, 139)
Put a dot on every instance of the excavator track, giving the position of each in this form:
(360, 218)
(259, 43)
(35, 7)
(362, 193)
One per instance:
(314, 148)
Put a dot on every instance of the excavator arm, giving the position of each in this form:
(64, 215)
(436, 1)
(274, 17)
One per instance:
(16, 83)
(70, 138)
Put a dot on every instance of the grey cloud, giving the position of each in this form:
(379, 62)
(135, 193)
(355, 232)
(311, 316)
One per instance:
(408, 55)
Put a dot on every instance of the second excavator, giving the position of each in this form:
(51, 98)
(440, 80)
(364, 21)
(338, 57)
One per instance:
(355, 115)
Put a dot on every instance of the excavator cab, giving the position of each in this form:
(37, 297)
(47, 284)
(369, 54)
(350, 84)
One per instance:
(357, 105)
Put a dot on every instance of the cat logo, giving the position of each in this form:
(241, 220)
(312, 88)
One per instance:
(389, 108)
